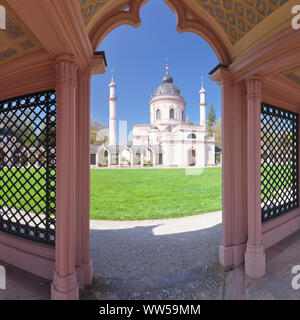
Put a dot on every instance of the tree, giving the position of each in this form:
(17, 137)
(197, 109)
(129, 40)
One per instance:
(211, 123)
(22, 123)
(218, 133)
(99, 134)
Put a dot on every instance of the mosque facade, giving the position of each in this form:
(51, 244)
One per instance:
(169, 140)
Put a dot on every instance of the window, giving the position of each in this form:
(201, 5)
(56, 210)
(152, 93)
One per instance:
(93, 159)
(158, 114)
(183, 117)
(192, 136)
(172, 114)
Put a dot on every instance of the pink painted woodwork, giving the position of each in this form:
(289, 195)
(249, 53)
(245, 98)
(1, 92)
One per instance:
(233, 160)
(255, 261)
(83, 260)
(65, 282)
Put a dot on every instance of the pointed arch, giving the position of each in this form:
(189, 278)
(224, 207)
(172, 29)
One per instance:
(114, 15)
(125, 12)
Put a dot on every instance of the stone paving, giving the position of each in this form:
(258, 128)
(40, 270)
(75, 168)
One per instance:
(189, 280)
(209, 282)
(177, 259)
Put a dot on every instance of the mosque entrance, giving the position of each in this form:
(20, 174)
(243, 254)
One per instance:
(192, 157)
(103, 158)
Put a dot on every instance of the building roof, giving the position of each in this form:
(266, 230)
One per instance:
(167, 87)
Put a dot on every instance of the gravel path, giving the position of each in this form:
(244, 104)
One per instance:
(135, 249)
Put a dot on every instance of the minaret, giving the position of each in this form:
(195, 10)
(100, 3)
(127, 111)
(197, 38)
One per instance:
(112, 113)
(202, 106)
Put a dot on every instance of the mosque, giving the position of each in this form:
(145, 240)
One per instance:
(170, 140)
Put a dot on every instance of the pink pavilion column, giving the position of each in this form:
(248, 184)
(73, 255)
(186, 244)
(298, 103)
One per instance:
(65, 283)
(234, 208)
(239, 142)
(83, 261)
(255, 260)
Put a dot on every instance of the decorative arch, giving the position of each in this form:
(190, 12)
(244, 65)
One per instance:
(102, 150)
(115, 15)
(131, 153)
(196, 20)
(192, 152)
(126, 12)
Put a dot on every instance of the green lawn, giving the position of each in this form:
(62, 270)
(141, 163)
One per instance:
(125, 194)
(153, 193)
(23, 188)
(121, 194)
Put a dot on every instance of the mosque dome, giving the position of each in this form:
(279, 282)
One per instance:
(167, 87)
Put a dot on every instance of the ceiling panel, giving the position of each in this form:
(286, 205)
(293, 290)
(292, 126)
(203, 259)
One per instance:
(237, 17)
(16, 40)
(90, 7)
(293, 76)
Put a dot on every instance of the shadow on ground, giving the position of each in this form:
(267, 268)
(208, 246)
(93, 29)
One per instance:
(184, 266)
(168, 267)
(144, 263)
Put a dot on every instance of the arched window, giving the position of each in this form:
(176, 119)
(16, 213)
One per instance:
(192, 136)
(172, 114)
(158, 114)
(183, 117)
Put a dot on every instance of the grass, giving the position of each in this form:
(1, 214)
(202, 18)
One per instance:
(153, 193)
(275, 177)
(124, 194)
(19, 189)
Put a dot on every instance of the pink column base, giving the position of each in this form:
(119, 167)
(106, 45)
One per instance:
(64, 288)
(88, 273)
(232, 255)
(226, 256)
(85, 274)
(239, 254)
(255, 262)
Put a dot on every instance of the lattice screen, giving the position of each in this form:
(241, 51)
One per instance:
(279, 167)
(28, 166)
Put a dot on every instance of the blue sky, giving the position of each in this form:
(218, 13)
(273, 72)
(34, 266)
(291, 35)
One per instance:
(138, 59)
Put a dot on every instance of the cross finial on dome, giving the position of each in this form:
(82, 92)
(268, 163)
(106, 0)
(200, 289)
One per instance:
(112, 83)
(167, 65)
(202, 90)
(112, 78)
